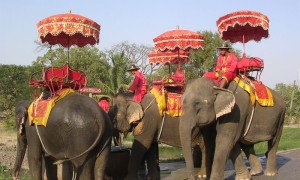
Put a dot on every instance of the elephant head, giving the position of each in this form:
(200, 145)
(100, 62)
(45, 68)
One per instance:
(125, 112)
(206, 102)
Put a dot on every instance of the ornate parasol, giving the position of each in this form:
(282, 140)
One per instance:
(243, 26)
(167, 57)
(178, 39)
(68, 29)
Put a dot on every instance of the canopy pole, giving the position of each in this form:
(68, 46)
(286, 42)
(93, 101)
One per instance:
(178, 68)
(244, 43)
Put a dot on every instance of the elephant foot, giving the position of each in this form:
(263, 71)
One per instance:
(256, 171)
(243, 177)
(270, 173)
(271, 170)
(201, 175)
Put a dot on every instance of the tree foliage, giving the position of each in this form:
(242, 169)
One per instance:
(107, 69)
(13, 86)
(291, 95)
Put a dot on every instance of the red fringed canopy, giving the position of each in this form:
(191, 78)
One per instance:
(243, 26)
(68, 29)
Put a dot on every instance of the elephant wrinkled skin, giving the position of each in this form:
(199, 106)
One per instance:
(146, 122)
(78, 133)
(203, 103)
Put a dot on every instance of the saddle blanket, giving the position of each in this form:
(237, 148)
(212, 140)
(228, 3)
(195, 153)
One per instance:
(167, 101)
(257, 91)
(39, 110)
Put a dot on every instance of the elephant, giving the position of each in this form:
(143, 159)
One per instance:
(150, 128)
(240, 125)
(78, 134)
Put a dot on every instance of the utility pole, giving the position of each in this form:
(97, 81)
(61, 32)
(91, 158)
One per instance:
(292, 99)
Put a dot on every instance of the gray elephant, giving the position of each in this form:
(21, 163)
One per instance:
(78, 133)
(150, 128)
(239, 126)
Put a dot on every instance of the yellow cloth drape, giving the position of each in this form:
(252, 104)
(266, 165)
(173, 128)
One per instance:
(253, 96)
(39, 110)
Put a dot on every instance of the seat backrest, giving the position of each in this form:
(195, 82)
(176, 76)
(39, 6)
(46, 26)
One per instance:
(250, 64)
(55, 74)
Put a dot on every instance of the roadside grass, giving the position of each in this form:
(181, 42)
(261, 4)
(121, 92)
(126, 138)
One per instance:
(290, 139)
(5, 174)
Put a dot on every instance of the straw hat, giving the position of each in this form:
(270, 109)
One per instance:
(224, 46)
(132, 67)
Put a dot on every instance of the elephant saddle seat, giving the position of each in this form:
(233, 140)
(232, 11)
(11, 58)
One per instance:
(57, 78)
(39, 110)
(256, 89)
(168, 102)
(249, 65)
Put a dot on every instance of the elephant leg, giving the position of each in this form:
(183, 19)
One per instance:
(34, 154)
(65, 170)
(225, 141)
(101, 163)
(256, 167)
(35, 163)
(86, 171)
(199, 159)
(51, 169)
(239, 164)
(271, 168)
(152, 159)
(138, 152)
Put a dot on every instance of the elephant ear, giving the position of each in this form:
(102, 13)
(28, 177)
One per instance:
(224, 102)
(134, 112)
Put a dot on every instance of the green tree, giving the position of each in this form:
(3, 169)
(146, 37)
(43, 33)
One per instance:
(291, 96)
(120, 57)
(13, 86)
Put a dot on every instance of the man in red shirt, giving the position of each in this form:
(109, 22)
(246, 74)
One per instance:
(226, 67)
(139, 84)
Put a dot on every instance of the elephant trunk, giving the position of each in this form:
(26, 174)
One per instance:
(21, 149)
(186, 143)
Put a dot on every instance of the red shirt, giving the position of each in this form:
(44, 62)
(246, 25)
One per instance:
(139, 86)
(227, 64)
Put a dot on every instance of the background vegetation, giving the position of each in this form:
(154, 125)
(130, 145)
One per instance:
(107, 70)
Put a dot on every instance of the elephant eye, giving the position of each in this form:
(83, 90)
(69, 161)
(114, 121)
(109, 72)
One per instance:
(196, 103)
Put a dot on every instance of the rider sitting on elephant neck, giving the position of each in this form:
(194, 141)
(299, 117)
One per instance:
(139, 84)
(225, 70)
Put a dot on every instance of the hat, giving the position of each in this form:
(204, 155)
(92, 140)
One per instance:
(224, 46)
(132, 67)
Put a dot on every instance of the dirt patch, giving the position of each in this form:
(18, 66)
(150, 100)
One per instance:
(8, 148)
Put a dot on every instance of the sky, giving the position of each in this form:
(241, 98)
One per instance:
(140, 21)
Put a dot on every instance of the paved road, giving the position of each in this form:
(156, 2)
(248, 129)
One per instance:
(288, 164)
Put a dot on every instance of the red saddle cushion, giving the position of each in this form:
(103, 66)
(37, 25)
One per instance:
(250, 64)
